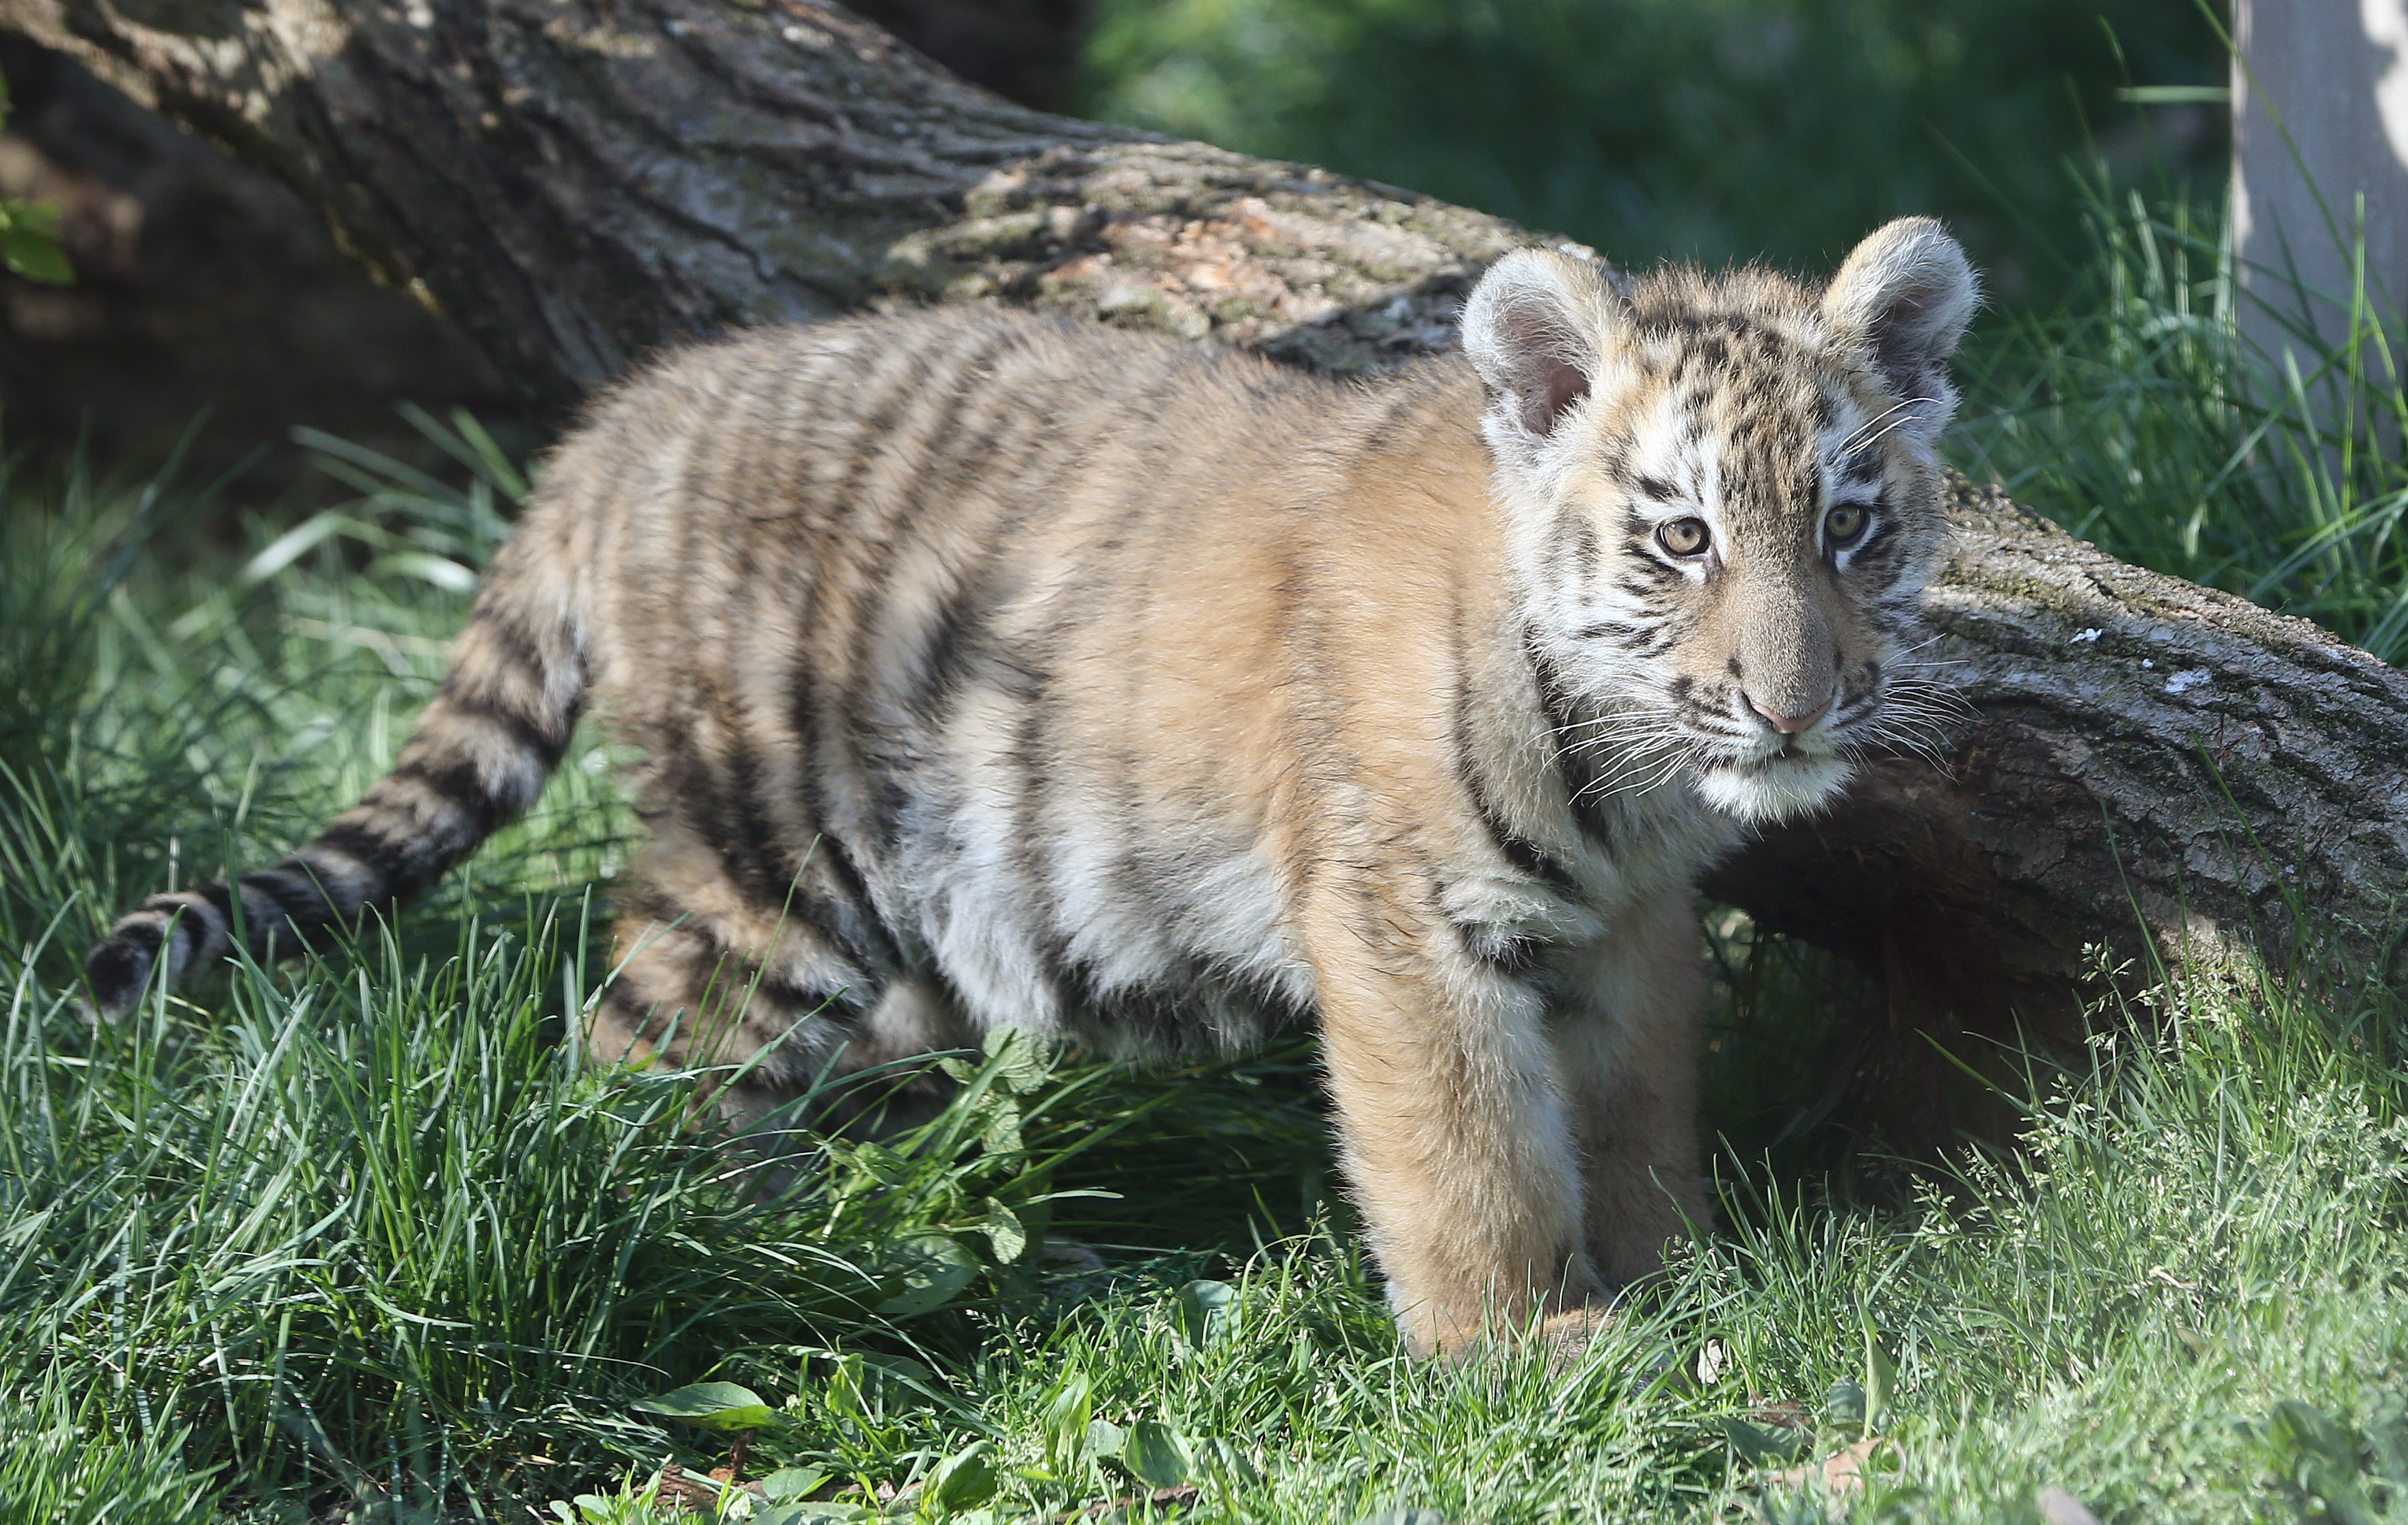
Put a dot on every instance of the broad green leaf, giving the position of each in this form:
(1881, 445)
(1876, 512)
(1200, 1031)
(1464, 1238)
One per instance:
(792, 1483)
(813, 1513)
(1067, 1412)
(1105, 1438)
(1158, 1455)
(31, 249)
(711, 1405)
(2317, 1455)
(1881, 1375)
(1019, 1056)
(1004, 1231)
(1843, 1406)
(927, 1271)
(2387, 1433)
(1204, 1310)
(1225, 1463)
(899, 1368)
(1002, 1132)
(1758, 1445)
(963, 1480)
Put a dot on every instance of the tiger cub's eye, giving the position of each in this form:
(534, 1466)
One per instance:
(1844, 525)
(1682, 537)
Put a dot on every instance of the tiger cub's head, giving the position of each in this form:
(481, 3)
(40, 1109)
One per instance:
(1723, 499)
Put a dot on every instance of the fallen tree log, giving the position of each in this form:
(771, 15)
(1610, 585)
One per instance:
(578, 182)
(2140, 751)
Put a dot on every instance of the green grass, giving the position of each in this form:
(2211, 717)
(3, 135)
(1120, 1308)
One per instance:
(363, 1234)
(2141, 416)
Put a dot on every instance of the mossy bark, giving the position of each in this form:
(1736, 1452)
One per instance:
(577, 182)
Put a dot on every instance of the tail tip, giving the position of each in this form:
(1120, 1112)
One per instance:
(117, 971)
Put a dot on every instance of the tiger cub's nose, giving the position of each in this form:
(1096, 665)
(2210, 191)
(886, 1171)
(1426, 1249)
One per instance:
(1788, 724)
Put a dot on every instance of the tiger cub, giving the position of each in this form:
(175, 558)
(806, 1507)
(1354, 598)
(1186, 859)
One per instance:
(991, 668)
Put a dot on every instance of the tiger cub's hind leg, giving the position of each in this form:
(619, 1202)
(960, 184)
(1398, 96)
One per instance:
(689, 995)
(799, 1039)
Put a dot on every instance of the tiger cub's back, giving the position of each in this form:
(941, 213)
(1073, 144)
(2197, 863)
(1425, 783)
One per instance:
(955, 644)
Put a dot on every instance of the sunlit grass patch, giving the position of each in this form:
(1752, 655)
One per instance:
(2143, 417)
(2182, 1296)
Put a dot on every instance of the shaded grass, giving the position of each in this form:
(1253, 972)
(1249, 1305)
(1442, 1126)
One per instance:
(1712, 130)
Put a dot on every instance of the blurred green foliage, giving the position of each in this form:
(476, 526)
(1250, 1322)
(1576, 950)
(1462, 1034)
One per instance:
(29, 232)
(1714, 130)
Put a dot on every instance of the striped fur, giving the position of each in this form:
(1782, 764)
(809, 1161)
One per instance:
(991, 669)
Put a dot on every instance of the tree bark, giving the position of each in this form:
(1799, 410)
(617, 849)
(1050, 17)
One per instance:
(2142, 752)
(2319, 163)
(2149, 765)
(578, 181)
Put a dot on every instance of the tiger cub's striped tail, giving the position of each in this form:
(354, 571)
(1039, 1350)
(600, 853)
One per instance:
(477, 755)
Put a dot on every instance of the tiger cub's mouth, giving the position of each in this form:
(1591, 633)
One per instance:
(1788, 776)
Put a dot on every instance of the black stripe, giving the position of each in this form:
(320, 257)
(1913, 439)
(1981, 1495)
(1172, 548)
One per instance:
(1516, 849)
(961, 643)
(1507, 953)
(391, 862)
(1573, 772)
(459, 783)
(873, 436)
(191, 928)
(1588, 555)
(1616, 630)
(1029, 758)
(815, 719)
(299, 902)
(117, 968)
(640, 900)
(840, 903)
(1403, 403)
(528, 736)
(518, 649)
(220, 897)
(729, 814)
(645, 1017)
(865, 935)
(844, 1003)
(953, 647)
(873, 597)
(184, 917)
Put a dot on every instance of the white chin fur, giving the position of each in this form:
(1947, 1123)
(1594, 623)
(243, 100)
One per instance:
(1773, 791)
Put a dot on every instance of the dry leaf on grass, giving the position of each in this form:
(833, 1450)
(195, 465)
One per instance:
(673, 1486)
(1788, 1414)
(1182, 1496)
(1842, 1471)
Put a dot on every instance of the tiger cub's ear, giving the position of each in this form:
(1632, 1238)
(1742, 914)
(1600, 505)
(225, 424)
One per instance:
(1535, 329)
(1907, 292)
